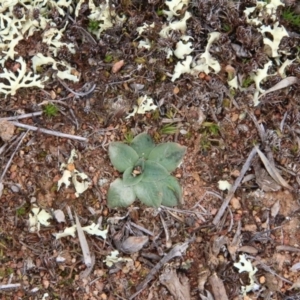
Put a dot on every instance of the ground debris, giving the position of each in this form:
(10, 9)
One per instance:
(176, 283)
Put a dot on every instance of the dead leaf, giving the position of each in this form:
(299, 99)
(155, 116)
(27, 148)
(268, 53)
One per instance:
(296, 285)
(234, 245)
(202, 278)
(117, 66)
(6, 130)
(196, 176)
(218, 288)
(176, 90)
(275, 209)
(273, 172)
(134, 243)
(235, 202)
(282, 84)
(280, 260)
(295, 267)
(59, 216)
(250, 227)
(248, 249)
(208, 297)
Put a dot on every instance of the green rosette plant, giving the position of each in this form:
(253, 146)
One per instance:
(146, 169)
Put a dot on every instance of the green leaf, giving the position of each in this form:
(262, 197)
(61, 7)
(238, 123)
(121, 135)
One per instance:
(120, 195)
(150, 193)
(172, 192)
(143, 144)
(129, 179)
(122, 156)
(168, 155)
(154, 171)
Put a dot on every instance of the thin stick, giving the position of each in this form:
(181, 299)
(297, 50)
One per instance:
(168, 240)
(9, 286)
(260, 128)
(70, 215)
(51, 132)
(141, 228)
(87, 258)
(24, 116)
(88, 87)
(237, 182)
(12, 156)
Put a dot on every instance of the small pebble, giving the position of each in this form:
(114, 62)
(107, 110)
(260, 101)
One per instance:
(262, 279)
(14, 189)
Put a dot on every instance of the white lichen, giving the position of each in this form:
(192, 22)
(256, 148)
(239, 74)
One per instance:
(40, 60)
(145, 104)
(92, 229)
(19, 79)
(105, 15)
(71, 174)
(113, 258)
(174, 8)
(13, 29)
(245, 265)
(184, 47)
(277, 32)
(207, 63)
(38, 217)
(176, 25)
(182, 67)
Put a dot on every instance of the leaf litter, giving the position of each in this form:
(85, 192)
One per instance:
(172, 61)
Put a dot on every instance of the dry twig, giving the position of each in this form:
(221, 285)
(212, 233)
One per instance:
(87, 258)
(51, 132)
(86, 89)
(237, 182)
(24, 116)
(168, 239)
(10, 160)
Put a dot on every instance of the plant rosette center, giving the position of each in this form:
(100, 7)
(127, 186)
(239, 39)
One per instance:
(146, 169)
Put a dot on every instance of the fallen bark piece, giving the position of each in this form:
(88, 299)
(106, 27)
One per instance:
(177, 284)
(218, 288)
